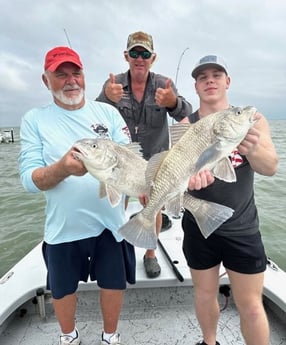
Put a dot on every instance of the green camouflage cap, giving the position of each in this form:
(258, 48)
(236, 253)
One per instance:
(140, 39)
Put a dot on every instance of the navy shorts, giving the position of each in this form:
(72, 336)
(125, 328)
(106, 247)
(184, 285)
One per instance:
(101, 258)
(242, 254)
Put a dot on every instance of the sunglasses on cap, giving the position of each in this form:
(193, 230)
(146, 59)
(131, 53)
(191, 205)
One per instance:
(134, 54)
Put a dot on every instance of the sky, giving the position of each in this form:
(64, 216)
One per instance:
(249, 35)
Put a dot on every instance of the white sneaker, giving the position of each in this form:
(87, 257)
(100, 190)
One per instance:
(113, 340)
(67, 339)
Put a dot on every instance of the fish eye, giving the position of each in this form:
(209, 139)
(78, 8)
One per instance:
(94, 146)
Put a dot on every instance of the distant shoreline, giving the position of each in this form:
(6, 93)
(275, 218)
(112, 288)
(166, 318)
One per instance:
(4, 127)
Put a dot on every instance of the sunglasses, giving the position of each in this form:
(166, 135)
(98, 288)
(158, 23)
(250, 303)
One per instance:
(134, 54)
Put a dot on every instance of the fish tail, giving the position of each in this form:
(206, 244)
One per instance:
(216, 217)
(140, 232)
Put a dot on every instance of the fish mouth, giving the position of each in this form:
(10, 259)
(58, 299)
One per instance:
(253, 117)
(252, 113)
(78, 153)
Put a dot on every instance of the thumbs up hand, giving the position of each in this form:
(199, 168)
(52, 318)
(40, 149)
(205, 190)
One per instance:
(166, 98)
(113, 91)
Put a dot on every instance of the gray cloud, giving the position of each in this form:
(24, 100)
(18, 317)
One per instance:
(249, 35)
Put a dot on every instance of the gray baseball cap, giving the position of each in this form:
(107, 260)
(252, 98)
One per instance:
(209, 61)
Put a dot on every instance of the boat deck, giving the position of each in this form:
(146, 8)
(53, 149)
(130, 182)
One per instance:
(149, 316)
(155, 311)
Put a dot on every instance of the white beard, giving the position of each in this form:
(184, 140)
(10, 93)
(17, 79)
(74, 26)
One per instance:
(59, 95)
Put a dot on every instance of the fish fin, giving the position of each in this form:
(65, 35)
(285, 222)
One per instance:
(208, 215)
(153, 166)
(113, 195)
(136, 148)
(176, 131)
(174, 205)
(140, 232)
(224, 170)
(212, 154)
(102, 190)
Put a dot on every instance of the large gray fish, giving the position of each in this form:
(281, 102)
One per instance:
(205, 144)
(119, 168)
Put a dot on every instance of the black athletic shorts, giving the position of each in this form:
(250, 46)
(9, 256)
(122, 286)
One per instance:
(101, 258)
(242, 254)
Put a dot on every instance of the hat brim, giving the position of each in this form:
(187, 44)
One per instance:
(140, 45)
(56, 64)
(196, 71)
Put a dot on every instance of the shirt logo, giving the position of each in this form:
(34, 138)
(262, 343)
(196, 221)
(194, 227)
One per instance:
(101, 130)
(236, 158)
(126, 131)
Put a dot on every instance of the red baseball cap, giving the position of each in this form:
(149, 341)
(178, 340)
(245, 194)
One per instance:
(59, 55)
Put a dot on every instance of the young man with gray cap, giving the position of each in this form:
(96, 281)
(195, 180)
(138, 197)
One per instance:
(144, 99)
(236, 243)
(81, 237)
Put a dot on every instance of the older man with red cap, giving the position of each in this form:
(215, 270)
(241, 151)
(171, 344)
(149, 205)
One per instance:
(81, 238)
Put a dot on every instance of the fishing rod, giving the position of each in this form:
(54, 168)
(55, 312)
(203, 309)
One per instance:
(177, 72)
(174, 267)
(179, 63)
(67, 37)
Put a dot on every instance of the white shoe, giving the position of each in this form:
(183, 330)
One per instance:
(67, 339)
(113, 340)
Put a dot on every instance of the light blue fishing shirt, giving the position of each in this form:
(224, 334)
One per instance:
(74, 210)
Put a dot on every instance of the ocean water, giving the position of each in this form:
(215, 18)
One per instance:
(22, 214)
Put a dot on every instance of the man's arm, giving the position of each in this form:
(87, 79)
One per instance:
(201, 180)
(259, 149)
(111, 92)
(176, 105)
(48, 177)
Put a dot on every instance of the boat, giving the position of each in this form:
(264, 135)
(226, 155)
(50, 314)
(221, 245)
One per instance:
(155, 311)
(7, 136)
